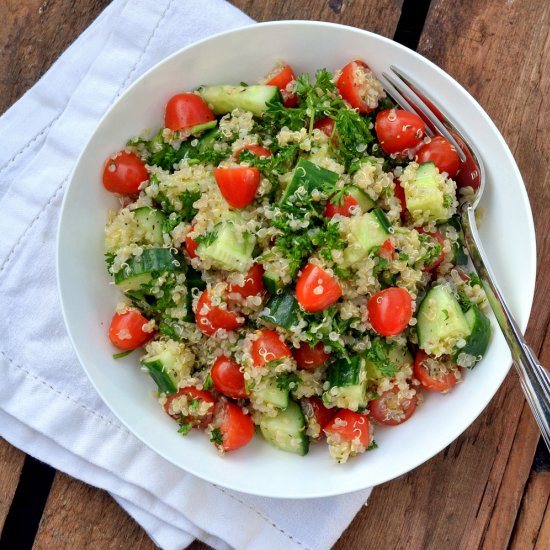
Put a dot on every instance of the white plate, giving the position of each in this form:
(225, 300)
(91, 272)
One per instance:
(246, 55)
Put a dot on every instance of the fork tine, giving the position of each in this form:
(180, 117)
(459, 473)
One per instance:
(399, 99)
(403, 87)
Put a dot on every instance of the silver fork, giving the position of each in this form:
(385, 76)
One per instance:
(534, 379)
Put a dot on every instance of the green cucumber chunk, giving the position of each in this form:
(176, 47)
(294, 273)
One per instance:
(161, 368)
(271, 394)
(424, 195)
(231, 249)
(272, 282)
(478, 340)
(369, 231)
(223, 99)
(440, 322)
(140, 270)
(307, 177)
(362, 199)
(287, 430)
(348, 383)
(150, 221)
(282, 310)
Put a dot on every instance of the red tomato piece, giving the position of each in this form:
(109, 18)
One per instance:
(196, 420)
(228, 378)
(343, 209)
(316, 289)
(326, 125)
(238, 185)
(399, 192)
(232, 428)
(441, 153)
(211, 318)
(283, 79)
(390, 311)
(268, 347)
(387, 250)
(350, 426)
(440, 239)
(185, 111)
(309, 357)
(436, 374)
(253, 285)
(255, 149)
(390, 409)
(191, 245)
(317, 408)
(353, 85)
(124, 173)
(398, 130)
(126, 330)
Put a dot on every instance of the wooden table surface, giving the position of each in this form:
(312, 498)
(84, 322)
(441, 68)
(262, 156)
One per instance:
(490, 488)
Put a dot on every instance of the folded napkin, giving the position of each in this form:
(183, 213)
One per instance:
(48, 408)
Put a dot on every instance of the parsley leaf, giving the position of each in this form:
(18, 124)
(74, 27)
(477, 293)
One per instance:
(216, 436)
(288, 381)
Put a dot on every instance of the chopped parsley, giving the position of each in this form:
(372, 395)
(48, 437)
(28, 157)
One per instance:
(216, 436)
(288, 381)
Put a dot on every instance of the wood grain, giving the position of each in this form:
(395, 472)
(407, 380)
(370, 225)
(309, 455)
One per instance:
(11, 463)
(470, 495)
(80, 516)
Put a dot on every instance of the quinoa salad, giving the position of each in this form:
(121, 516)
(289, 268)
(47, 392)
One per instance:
(291, 263)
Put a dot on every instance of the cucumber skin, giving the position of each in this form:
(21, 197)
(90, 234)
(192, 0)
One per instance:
(478, 341)
(363, 200)
(271, 283)
(310, 176)
(223, 99)
(444, 300)
(159, 260)
(291, 415)
(163, 380)
(342, 373)
(283, 310)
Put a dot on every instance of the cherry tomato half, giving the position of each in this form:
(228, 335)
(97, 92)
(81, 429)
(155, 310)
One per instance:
(343, 209)
(235, 427)
(398, 130)
(390, 409)
(268, 347)
(185, 111)
(210, 318)
(440, 152)
(326, 125)
(126, 330)
(196, 420)
(282, 79)
(435, 374)
(191, 245)
(316, 289)
(350, 426)
(124, 173)
(309, 357)
(253, 285)
(238, 185)
(387, 250)
(353, 85)
(228, 378)
(390, 311)
(318, 410)
(255, 149)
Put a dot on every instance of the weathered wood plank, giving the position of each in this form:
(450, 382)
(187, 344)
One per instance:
(79, 516)
(11, 463)
(380, 16)
(34, 34)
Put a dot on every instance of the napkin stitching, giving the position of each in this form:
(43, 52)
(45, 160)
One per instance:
(28, 144)
(62, 394)
(264, 517)
(34, 220)
(145, 48)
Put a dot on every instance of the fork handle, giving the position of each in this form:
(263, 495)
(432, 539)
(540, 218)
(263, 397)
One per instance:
(534, 378)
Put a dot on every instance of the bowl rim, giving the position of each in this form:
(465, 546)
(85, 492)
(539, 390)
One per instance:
(530, 284)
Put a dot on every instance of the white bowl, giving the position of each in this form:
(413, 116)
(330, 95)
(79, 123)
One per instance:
(246, 55)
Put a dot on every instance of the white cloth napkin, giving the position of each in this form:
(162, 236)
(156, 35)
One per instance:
(48, 408)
